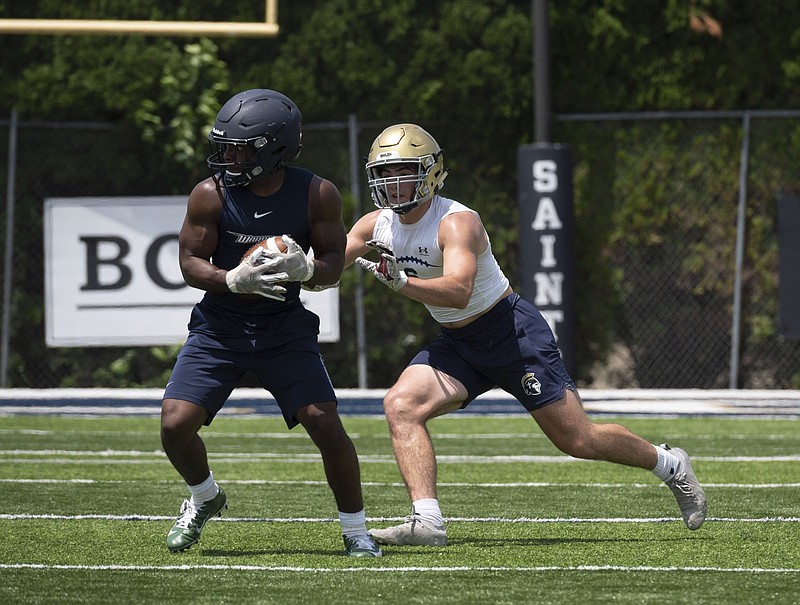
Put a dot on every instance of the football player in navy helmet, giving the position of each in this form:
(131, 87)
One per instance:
(250, 319)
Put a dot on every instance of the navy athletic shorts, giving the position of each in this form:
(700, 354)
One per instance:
(281, 350)
(511, 347)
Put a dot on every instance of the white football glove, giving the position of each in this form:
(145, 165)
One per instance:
(251, 277)
(386, 269)
(294, 262)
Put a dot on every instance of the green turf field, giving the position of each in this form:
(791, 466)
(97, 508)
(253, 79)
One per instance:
(87, 502)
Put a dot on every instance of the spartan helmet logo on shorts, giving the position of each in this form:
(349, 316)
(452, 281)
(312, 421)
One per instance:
(531, 384)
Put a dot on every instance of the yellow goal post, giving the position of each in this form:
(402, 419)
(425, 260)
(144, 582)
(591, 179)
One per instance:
(111, 27)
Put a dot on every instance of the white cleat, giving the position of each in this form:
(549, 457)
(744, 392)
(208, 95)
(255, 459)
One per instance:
(687, 490)
(414, 532)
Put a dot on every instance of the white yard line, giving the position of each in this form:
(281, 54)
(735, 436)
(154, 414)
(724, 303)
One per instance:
(314, 456)
(409, 569)
(532, 520)
(514, 484)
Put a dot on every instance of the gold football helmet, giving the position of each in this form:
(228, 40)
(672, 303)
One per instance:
(405, 144)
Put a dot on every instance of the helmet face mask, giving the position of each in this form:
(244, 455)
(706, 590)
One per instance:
(256, 132)
(236, 159)
(404, 154)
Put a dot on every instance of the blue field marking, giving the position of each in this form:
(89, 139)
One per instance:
(248, 401)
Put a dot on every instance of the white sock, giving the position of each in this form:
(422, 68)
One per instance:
(204, 491)
(353, 523)
(428, 509)
(667, 464)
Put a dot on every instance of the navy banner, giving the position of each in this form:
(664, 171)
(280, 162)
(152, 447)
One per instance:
(546, 248)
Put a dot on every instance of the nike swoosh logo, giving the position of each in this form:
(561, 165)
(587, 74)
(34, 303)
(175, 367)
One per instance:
(257, 215)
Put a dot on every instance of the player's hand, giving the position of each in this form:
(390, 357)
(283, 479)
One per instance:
(385, 270)
(294, 262)
(251, 277)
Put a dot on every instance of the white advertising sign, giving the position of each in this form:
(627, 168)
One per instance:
(112, 275)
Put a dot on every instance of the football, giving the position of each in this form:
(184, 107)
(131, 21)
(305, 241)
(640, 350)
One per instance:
(273, 244)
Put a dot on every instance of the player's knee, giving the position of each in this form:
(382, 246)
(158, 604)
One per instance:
(400, 407)
(179, 421)
(171, 431)
(392, 402)
(322, 423)
(325, 425)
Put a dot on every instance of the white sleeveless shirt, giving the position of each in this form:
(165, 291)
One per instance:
(416, 247)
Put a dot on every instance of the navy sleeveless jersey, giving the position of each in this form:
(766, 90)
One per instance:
(246, 219)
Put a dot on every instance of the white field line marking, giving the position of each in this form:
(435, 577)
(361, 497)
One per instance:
(304, 436)
(367, 458)
(137, 453)
(516, 484)
(535, 520)
(415, 569)
(92, 461)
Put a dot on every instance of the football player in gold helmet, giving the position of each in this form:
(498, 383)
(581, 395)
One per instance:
(436, 251)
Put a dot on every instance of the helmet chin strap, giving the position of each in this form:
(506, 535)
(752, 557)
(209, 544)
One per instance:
(216, 177)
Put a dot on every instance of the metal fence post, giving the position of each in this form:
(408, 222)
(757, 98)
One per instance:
(355, 187)
(9, 251)
(736, 320)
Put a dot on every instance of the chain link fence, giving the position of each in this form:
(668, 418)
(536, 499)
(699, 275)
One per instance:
(674, 204)
(657, 205)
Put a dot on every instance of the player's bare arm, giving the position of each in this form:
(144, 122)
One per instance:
(358, 237)
(197, 239)
(327, 234)
(462, 239)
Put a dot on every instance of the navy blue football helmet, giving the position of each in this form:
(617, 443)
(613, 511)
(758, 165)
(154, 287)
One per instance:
(256, 132)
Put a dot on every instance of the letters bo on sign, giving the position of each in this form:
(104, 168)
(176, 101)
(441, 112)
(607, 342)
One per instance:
(112, 276)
